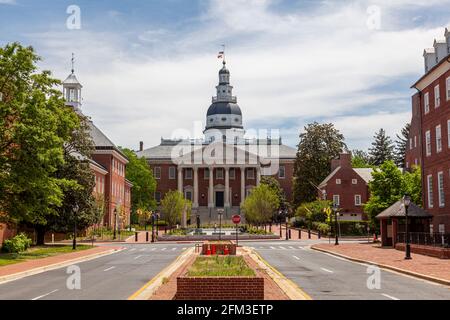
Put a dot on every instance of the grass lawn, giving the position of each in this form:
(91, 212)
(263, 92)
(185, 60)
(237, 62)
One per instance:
(229, 266)
(37, 253)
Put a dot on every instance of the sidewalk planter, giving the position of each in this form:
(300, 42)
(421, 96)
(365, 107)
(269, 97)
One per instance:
(220, 288)
(222, 248)
(437, 252)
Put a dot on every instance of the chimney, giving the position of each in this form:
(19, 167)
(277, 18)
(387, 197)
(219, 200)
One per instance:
(440, 48)
(141, 146)
(429, 56)
(344, 161)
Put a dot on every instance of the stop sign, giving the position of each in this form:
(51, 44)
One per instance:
(236, 219)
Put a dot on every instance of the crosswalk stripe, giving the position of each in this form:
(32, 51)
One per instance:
(163, 249)
(273, 248)
(153, 249)
(297, 258)
(173, 249)
(291, 247)
(326, 270)
(134, 249)
(283, 248)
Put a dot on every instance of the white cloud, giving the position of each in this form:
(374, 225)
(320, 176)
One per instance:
(303, 64)
(8, 2)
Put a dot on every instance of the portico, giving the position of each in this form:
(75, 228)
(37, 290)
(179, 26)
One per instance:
(220, 192)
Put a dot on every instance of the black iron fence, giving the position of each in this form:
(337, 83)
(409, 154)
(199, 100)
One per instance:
(426, 239)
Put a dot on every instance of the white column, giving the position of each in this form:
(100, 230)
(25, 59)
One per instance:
(258, 176)
(195, 204)
(242, 184)
(211, 188)
(227, 188)
(180, 180)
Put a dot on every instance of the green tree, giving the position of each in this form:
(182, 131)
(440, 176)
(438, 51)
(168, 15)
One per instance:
(172, 207)
(382, 148)
(401, 145)
(144, 183)
(388, 186)
(78, 150)
(34, 126)
(319, 144)
(260, 206)
(275, 186)
(360, 159)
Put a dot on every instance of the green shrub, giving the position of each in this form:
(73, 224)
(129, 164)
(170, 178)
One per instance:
(322, 227)
(18, 244)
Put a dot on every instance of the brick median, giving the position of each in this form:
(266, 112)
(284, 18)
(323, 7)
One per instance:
(48, 261)
(429, 266)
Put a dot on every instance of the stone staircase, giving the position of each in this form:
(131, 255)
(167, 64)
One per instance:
(210, 216)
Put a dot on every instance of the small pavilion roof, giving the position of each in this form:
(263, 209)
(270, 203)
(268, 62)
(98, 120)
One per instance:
(397, 210)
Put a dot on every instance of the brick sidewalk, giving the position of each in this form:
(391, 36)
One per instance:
(428, 266)
(294, 233)
(49, 261)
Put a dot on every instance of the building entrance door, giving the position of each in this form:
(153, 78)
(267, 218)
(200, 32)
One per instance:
(220, 199)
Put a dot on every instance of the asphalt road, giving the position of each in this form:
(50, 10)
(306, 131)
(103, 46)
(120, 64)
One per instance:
(113, 277)
(326, 277)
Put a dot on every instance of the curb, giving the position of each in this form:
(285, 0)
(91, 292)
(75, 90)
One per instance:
(31, 272)
(150, 287)
(388, 267)
(291, 289)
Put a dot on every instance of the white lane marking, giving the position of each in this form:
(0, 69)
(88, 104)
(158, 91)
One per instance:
(134, 249)
(273, 248)
(137, 257)
(184, 249)
(390, 297)
(301, 248)
(109, 269)
(297, 258)
(283, 248)
(163, 249)
(326, 270)
(143, 249)
(173, 249)
(290, 247)
(44, 295)
(153, 249)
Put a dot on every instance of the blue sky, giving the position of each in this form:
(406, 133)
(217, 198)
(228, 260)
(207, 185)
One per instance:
(149, 68)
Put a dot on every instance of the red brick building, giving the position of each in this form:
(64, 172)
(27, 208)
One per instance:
(218, 170)
(429, 141)
(108, 164)
(347, 187)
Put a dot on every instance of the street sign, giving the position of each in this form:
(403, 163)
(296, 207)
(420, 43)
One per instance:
(236, 219)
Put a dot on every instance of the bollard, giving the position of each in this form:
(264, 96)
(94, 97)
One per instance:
(309, 233)
(136, 236)
(281, 232)
(290, 234)
(299, 233)
(318, 234)
(270, 228)
(146, 236)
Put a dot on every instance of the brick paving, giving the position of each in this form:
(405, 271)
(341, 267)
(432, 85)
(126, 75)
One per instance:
(48, 261)
(294, 233)
(428, 266)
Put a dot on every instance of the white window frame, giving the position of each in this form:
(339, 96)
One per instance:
(426, 99)
(336, 199)
(220, 174)
(188, 173)
(441, 192)
(428, 143)
(172, 173)
(354, 181)
(438, 138)
(358, 200)
(232, 173)
(448, 88)
(430, 198)
(410, 144)
(157, 173)
(338, 181)
(415, 141)
(448, 133)
(282, 172)
(437, 97)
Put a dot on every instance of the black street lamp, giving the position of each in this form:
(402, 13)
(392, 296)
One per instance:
(75, 216)
(157, 223)
(115, 223)
(406, 203)
(335, 210)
